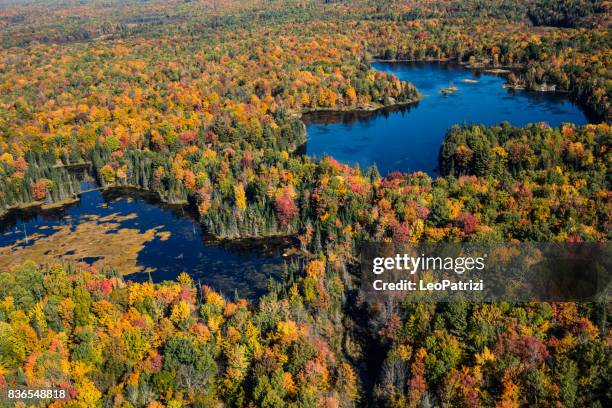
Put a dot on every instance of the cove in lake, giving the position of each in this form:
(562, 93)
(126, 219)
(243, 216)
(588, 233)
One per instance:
(131, 231)
(408, 138)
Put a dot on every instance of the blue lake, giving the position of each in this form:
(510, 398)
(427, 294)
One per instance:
(408, 139)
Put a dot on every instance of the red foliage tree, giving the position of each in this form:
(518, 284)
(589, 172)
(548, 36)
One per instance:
(286, 209)
(393, 325)
(467, 222)
(417, 384)
(39, 189)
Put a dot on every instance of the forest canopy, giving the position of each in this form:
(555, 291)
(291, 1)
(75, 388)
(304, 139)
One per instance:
(200, 102)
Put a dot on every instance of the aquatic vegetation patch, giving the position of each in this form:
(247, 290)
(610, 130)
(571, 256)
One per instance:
(102, 242)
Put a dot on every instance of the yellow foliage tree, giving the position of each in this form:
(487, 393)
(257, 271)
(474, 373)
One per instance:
(240, 197)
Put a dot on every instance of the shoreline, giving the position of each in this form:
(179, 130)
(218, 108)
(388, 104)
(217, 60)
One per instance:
(453, 61)
(42, 205)
(501, 70)
(267, 244)
(370, 109)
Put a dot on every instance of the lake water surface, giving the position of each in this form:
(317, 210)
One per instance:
(169, 237)
(409, 139)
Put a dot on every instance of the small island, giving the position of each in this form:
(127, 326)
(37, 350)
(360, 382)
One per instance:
(451, 89)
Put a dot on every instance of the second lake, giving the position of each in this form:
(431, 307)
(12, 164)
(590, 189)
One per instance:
(133, 233)
(408, 139)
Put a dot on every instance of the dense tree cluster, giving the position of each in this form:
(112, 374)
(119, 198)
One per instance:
(502, 354)
(533, 183)
(570, 13)
(166, 98)
(110, 343)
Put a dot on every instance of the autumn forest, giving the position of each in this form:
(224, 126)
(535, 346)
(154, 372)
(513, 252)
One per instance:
(201, 104)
